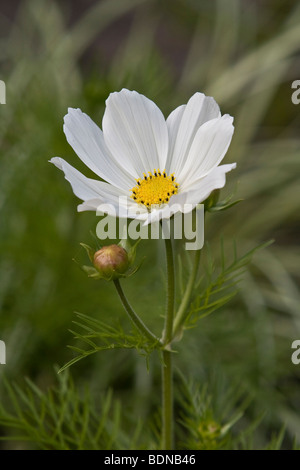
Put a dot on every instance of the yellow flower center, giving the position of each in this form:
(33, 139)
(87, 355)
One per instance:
(155, 188)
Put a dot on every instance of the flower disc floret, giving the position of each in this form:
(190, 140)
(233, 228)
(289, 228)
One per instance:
(156, 188)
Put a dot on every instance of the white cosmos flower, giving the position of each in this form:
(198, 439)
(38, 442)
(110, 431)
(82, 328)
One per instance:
(149, 165)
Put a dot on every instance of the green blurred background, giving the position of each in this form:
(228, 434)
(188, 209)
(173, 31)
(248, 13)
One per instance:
(74, 53)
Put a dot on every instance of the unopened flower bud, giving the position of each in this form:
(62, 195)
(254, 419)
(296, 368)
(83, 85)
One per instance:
(111, 261)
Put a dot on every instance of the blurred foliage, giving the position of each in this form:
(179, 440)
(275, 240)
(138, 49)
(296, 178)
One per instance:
(59, 54)
(63, 419)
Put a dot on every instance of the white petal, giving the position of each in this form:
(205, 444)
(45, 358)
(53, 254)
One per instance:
(121, 208)
(199, 109)
(176, 204)
(89, 205)
(135, 132)
(208, 149)
(86, 139)
(86, 188)
(201, 189)
(173, 123)
(100, 196)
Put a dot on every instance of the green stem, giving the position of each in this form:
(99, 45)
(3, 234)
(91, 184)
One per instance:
(167, 372)
(133, 316)
(182, 310)
(168, 329)
(167, 401)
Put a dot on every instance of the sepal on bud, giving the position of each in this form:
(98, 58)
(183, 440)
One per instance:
(212, 200)
(212, 205)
